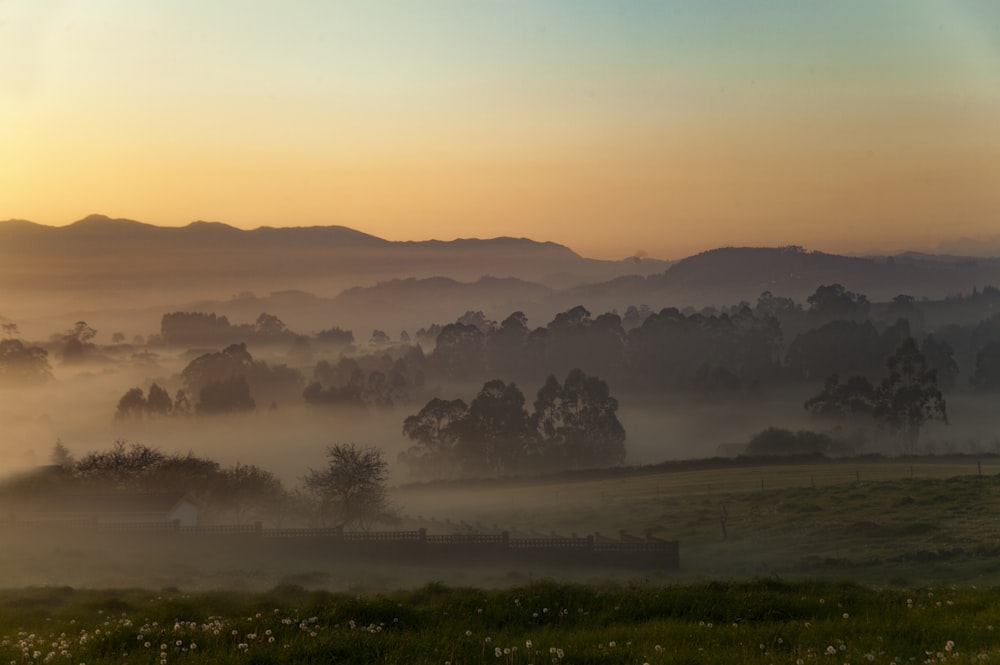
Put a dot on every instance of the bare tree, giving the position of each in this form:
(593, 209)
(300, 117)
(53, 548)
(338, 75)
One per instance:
(352, 487)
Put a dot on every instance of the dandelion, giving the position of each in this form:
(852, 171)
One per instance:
(611, 644)
(830, 650)
(846, 615)
(949, 645)
(658, 648)
(498, 652)
(527, 644)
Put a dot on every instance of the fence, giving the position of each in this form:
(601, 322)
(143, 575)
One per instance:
(414, 546)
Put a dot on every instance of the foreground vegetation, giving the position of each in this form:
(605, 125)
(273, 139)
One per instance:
(762, 621)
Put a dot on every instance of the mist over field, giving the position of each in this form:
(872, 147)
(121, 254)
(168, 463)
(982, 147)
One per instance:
(549, 399)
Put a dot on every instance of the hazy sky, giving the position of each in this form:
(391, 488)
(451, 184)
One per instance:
(613, 127)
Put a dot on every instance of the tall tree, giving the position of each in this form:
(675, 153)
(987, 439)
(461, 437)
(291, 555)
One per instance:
(494, 438)
(435, 431)
(909, 396)
(158, 402)
(578, 422)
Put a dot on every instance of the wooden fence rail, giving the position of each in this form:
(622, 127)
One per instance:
(627, 549)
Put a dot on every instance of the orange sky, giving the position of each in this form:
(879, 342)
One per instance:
(653, 126)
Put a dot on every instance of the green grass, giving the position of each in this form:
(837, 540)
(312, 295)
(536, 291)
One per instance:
(926, 523)
(760, 621)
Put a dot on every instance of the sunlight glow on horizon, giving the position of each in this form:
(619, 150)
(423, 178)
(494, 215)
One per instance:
(649, 126)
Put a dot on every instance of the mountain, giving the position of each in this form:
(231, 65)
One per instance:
(104, 270)
(100, 257)
(728, 275)
(55, 275)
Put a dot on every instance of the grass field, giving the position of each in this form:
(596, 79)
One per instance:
(860, 562)
(921, 522)
(764, 621)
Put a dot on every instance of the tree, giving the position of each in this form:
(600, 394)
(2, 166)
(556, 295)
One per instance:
(158, 402)
(20, 364)
(61, 457)
(494, 437)
(778, 441)
(578, 422)
(834, 302)
(124, 466)
(436, 431)
(352, 487)
(248, 492)
(840, 400)
(118, 338)
(909, 397)
(460, 351)
(232, 361)
(226, 396)
(77, 341)
(941, 358)
(986, 377)
(269, 327)
(10, 329)
(131, 405)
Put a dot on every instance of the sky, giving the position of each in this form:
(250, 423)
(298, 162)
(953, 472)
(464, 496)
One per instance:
(616, 128)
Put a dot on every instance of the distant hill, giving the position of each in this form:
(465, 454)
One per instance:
(105, 261)
(110, 269)
(728, 275)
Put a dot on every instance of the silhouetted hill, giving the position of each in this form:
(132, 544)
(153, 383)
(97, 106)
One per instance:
(325, 259)
(728, 275)
(339, 276)
(99, 263)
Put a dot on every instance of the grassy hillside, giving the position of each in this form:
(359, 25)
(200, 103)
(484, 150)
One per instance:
(921, 522)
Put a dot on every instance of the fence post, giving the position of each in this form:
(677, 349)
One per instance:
(258, 528)
(505, 537)
(423, 535)
(590, 542)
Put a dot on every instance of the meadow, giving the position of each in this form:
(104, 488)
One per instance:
(763, 621)
(864, 561)
(913, 522)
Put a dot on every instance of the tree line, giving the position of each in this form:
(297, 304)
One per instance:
(349, 490)
(573, 424)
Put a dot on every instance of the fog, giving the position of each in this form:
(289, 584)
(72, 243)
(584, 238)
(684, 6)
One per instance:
(554, 422)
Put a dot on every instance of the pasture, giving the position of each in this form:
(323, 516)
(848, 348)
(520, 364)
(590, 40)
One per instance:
(925, 521)
(855, 562)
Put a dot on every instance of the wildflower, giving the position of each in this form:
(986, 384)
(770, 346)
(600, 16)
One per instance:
(527, 644)
(498, 652)
(658, 648)
(846, 615)
(468, 633)
(830, 650)
(949, 645)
